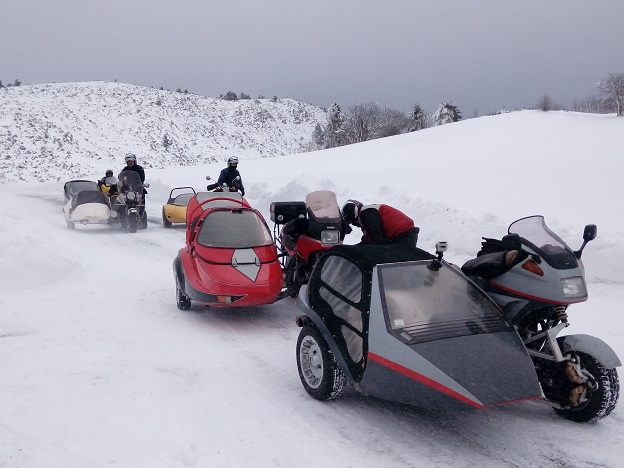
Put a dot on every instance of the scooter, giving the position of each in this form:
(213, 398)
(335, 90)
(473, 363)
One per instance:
(308, 229)
(533, 276)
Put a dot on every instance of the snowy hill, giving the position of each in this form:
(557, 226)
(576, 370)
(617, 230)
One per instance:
(99, 368)
(55, 131)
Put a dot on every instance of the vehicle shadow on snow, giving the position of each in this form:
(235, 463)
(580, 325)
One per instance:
(498, 433)
(245, 319)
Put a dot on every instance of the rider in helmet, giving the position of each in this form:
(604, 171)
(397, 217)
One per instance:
(380, 224)
(231, 177)
(131, 165)
(106, 185)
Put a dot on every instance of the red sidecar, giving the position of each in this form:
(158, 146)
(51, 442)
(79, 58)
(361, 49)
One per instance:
(230, 258)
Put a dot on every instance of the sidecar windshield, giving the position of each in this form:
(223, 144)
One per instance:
(546, 243)
(424, 305)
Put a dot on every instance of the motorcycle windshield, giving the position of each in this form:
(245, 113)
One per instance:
(129, 181)
(544, 242)
(422, 305)
(323, 205)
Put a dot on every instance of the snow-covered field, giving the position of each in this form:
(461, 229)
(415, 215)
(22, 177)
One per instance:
(98, 368)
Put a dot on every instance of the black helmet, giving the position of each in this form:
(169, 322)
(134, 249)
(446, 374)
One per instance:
(351, 210)
(232, 161)
(109, 172)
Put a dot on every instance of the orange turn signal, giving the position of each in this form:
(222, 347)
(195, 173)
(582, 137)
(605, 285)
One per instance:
(533, 267)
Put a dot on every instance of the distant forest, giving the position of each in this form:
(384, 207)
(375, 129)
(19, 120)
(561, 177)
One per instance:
(370, 121)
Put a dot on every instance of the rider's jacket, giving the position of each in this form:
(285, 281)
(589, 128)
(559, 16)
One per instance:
(382, 224)
(227, 177)
(139, 170)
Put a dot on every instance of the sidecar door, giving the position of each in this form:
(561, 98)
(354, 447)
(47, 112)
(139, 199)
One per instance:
(436, 340)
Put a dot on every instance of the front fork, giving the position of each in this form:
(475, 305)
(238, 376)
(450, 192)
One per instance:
(579, 381)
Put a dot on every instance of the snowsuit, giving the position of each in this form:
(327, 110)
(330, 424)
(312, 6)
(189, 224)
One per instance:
(112, 189)
(382, 224)
(227, 177)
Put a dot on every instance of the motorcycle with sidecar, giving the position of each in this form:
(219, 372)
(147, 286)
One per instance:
(401, 324)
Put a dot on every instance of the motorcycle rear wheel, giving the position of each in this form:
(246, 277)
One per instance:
(318, 370)
(601, 401)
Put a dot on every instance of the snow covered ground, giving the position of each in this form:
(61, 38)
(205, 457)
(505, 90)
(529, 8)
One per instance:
(99, 368)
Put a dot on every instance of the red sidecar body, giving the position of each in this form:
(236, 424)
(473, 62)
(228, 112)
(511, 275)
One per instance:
(230, 258)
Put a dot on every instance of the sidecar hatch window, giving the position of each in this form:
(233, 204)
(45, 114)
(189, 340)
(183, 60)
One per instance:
(234, 228)
(342, 290)
(338, 297)
(423, 305)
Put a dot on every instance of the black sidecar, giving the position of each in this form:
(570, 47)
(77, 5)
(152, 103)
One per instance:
(400, 324)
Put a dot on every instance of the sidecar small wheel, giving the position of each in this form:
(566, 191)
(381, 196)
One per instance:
(166, 222)
(601, 401)
(318, 370)
(182, 300)
(71, 225)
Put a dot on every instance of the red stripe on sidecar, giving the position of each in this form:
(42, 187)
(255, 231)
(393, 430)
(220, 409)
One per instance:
(421, 378)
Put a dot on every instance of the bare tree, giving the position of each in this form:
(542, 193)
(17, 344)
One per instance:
(369, 122)
(363, 123)
(612, 88)
(393, 122)
(545, 103)
(590, 105)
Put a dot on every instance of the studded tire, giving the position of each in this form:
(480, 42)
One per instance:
(601, 401)
(319, 372)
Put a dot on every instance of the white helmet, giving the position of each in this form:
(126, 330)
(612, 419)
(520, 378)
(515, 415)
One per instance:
(232, 160)
(130, 157)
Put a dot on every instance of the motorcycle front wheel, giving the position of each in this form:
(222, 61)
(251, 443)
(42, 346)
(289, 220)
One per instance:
(133, 222)
(320, 374)
(601, 401)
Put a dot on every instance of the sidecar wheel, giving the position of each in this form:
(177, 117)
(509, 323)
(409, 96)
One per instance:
(602, 400)
(182, 300)
(71, 225)
(318, 370)
(166, 222)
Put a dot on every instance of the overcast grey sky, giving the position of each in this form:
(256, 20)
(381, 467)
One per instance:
(483, 55)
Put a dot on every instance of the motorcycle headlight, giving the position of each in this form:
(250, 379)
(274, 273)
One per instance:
(330, 237)
(131, 196)
(574, 287)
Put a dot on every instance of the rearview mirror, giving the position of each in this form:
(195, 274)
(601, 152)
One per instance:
(511, 242)
(208, 177)
(146, 184)
(590, 232)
